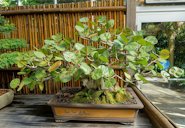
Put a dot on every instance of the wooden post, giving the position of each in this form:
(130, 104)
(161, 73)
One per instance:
(55, 1)
(19, 2)
(131, 14)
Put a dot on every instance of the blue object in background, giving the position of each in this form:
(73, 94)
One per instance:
(165, 64)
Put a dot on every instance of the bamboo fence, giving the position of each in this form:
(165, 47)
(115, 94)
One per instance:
(37, 23)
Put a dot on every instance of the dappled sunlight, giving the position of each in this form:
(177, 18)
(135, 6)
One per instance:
(176, 114)
(182, 108)
(169, 101)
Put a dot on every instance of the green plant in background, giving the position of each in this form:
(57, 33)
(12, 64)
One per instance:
(7, 3)
(174, 72)
(170, 35)
(70, 1)
(64, 60)
(5, 26)
(36, 2)
(174, 75)
(180, 49)
(6, 44)
(8, 59)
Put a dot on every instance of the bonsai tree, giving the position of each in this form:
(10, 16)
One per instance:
(7, 58)
(64, 59)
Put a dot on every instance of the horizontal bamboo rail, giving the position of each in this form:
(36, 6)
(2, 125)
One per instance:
(63, 10)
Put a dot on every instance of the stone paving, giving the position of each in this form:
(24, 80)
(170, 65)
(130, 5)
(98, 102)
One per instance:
(169, 101)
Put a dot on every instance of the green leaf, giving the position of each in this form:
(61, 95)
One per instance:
(20, 86)
(139, 77)
(69, 56)
(27, 81)
(15, 83)
(151, 39)
(39, 54)
(84, 19)
(133, 53)
(79, 46)
(136, 38)
(124, 38)
(101, 19)
(57, 37)
(95, 38)
(165, 74)
(79, 28)
(144, 42)
(110, 23)
(22, 73)
(132, 66)
(143, 61)
(40, 74)
(86, 69)
(65, 77)
(41, 86)
(60, 48)
(127, 75)
(164, 54)
(107, 71)
(132, 46)
(58, 58)
(110, 82)
(176, 72)
(118, 44)
(97, 74)
(105, 36)
(154, 72)
(32, 85)
(103, 58)
(159, 65)
(49, 42)
(78, 74)
(153, 56)
(43, 63)
(130, 58)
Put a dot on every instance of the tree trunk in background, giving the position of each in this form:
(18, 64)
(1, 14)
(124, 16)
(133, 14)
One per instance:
(172, 48)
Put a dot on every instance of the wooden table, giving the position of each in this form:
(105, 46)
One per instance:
(32, 111)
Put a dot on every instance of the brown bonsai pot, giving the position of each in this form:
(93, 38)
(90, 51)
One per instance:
(123, 113)
(6, 97)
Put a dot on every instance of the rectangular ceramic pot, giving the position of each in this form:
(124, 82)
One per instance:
(6, 98)
(123, 113)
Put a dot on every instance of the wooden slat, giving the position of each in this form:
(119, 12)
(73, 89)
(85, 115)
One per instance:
(63, 10)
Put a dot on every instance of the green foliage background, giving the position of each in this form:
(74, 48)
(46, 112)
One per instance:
(8, 59)
(153, 29)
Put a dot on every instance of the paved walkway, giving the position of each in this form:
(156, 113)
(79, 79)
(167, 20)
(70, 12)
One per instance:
(171, 102)
(31, 111)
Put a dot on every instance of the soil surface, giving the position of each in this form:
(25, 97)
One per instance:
(2, 91)
(66, 95)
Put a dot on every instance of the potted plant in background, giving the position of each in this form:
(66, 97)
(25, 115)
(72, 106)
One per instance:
(175, 77)
(100, 97)
(7, 58)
